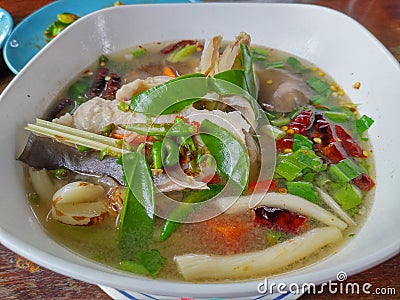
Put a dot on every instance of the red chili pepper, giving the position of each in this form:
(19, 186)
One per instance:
(284, 143)
(351, 147)
(364, 182)
(172, 47)
(323, 130)
(334, 152)
(302, 122)
(280, 219)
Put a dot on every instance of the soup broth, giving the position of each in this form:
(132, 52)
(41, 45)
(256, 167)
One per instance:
(290, 89)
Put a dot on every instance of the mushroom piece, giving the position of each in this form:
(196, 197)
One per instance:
(79, 203)
(282, 91)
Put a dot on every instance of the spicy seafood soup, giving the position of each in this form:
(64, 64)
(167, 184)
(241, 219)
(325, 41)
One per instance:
(317, 193)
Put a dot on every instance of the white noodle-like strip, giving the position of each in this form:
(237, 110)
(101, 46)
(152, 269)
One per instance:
(206, 267)
(284, 201)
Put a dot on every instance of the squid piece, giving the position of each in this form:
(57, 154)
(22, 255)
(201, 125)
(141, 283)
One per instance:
(238, 266)
(79, 203)
(284, 201)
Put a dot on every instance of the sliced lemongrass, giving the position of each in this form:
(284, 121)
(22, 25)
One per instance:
(76, 136)
(284, 201)
(244, 265)
(328, 200)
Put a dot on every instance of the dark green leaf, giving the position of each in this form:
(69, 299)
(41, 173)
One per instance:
(276, 65)
(301, 141)
(151, 260)
(78, 88)
(303, 189)
(247, 62)
(183, 210)
(346, 195)
(318, 85)
(234, 78)
(363, 124)
(229, 153)
(172, 96)
(137, 216)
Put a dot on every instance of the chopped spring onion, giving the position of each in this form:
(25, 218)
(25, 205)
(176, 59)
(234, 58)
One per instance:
(328, 200)
(301, 141)
(336, 116)
(363, 124)
(303, 189)
(345, 170)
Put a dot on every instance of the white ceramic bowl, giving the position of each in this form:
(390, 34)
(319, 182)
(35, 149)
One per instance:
(333, 41)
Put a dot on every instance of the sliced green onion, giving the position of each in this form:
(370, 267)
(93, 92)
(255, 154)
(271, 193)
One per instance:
(182, 54)
(318, 85)
(301, 141)
(336, 116)
(139, 52)
(303, 189)
(363, 124)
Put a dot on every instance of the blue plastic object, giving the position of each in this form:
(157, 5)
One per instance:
(6, 25)
(28, 36)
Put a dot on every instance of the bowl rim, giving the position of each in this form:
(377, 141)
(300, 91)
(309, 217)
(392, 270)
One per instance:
(169, 288)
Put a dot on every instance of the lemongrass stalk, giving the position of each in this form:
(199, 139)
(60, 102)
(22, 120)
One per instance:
(78, 132)
(70, 135)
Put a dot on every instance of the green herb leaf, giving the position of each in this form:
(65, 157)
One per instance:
(79, 88)
(345, 170)
(59, 174)
(123, 106)
(247, 62)
(172, 96)
(83, 148)
(182, 54)
(151, 260)
(363, 124)
(103, 153)
(276, 64)
(318, 85)
(301, 141)
(336, 116)
(303, 189)
(346, 195)
(229, 153)
(137, 216)
(259, 53)
(139, 52)
(183, 210)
